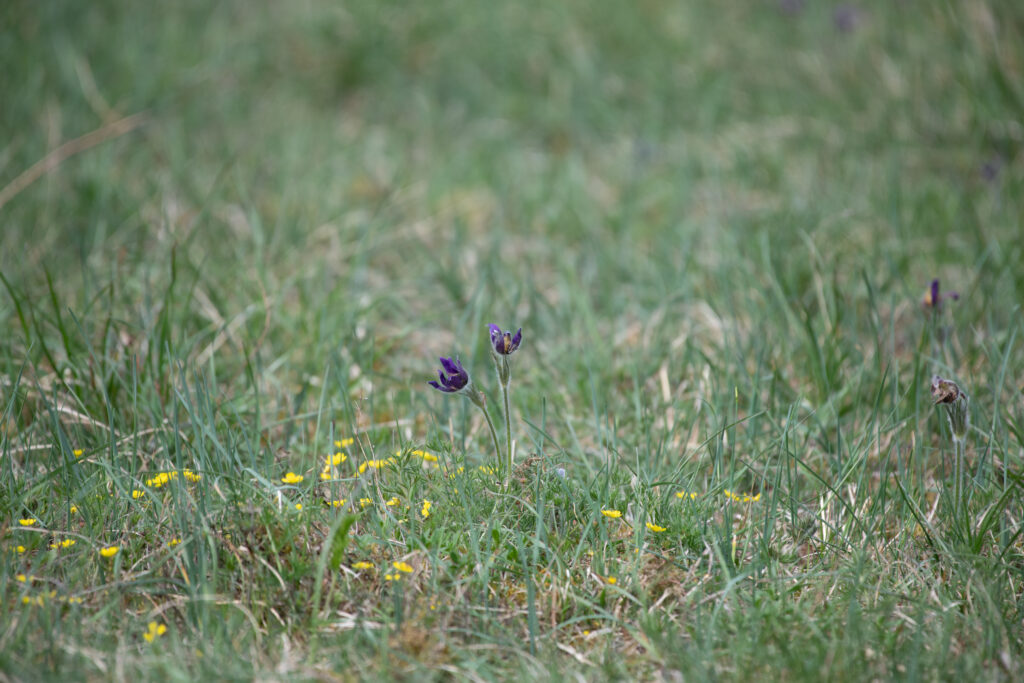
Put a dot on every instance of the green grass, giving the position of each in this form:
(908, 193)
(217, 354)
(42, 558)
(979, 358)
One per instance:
(715, 225)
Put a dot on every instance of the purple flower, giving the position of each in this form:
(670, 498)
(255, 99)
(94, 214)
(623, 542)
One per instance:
(846, 17)
(791, 7)
(990, 169)
(457, 379)
(503, 342)
(933, 298)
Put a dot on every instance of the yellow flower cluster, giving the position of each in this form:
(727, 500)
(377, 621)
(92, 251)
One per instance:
(335, 459)
(137, 493)
(66, 543)
(400, 568)
(684, 494)
(744, 498)
(163, 478)
(338, 503)
(375, 464)
(292, 478)
(613, 514)
(655, 528)
(426, 456)
(362, 565)
(154, 631)
(425, 511)
(78, 452)
(41, 599)
(109, 551)
(27, 522)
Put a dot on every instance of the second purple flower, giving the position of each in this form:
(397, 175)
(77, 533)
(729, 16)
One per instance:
(505, 343)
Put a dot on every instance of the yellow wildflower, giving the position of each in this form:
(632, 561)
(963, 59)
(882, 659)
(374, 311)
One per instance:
(392, 577)
(427, 457)
(22, 578)
(173, 542)
(78, 452)
(136, 494)
(402, 567)
(611, 579)
(292, 478)
(74, 509)
(486, 470)
(298, 506)
(655, 528)
(336, 459)
(613, 514)
(192, 476)
(66, 543)
(426, 508)
(375, 464)
(153, 631)
(338, 503)
(27, 522)
(159, 480)
(684, 494)
(393, 502)
(363, 502)
(745, 498)
(344, 442)
(109, 551)
(20, 549)
(362, 565)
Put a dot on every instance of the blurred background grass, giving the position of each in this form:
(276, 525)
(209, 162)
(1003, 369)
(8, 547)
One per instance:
(696, 211)
(592, 170)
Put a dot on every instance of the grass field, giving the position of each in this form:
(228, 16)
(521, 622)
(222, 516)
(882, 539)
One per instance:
(236, 237)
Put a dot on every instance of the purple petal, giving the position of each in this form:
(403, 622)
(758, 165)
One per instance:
(935, 293)
(516, 339)
(495, 333)
(451, 366)
(953, 295)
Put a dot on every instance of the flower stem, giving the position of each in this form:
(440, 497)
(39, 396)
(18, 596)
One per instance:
(478, 400)
(504, 371)
(508, 432)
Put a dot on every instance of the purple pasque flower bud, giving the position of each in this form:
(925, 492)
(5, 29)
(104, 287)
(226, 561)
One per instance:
(933, 297)
(504, 343)
(457, 379)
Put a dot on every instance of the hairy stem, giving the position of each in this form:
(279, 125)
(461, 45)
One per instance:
(478, 401)
(508, 433)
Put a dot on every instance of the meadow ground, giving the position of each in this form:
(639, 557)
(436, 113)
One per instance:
(236, 237)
